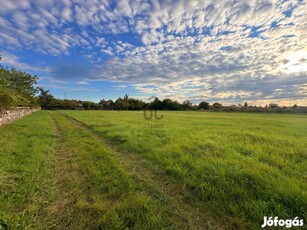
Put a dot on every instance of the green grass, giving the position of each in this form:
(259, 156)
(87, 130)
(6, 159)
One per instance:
(117, 170)
(97, 192)
(242, 166)
(56, 175)
(25, 156)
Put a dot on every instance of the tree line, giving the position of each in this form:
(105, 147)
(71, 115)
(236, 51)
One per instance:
(47, 101)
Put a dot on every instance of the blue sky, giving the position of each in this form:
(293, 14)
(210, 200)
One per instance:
(214, 50)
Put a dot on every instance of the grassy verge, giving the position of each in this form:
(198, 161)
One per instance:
(25, 157)
(243, 166)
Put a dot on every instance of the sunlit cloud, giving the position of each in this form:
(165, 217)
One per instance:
(229, 51)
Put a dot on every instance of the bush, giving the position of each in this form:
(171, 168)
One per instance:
(6, 100)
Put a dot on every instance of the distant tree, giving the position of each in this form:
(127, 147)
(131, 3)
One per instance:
(156, 105)
(69, 104)
(135, 104)
(273, 105)
(217, 105)
(176, 106)
(88, 105)
(295, 106)
(203, 105)
(122, 103)
(194, 107)
(245, 104)
(126, 102)
(118, 105)
(187, 105)
(167, 104)
(45, 98)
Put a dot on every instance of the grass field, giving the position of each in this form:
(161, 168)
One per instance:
(117, 170)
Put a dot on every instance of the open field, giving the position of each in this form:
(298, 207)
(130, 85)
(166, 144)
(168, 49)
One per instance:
(117, 170)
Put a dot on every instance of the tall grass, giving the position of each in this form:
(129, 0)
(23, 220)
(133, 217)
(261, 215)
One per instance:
(242, 166)
(25, 156)
(100, 193)
(56, 175)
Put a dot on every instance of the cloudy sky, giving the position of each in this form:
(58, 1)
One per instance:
(214, 50)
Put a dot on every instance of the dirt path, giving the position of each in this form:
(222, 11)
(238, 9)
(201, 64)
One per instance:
(151, 179)
(62, 188)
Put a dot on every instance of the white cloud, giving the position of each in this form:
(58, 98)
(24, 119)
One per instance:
(82, 83)
(217, 44)
(67, 14)
(9, 59)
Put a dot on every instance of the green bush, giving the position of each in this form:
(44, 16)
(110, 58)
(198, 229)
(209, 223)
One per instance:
(6, 100)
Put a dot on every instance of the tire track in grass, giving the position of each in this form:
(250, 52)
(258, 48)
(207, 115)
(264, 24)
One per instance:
(83, 194)
(62, 167)
(151, 179)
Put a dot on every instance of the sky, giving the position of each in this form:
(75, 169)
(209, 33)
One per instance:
(198, 50)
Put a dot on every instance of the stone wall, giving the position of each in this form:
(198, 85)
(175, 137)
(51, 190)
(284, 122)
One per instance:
(7, 116)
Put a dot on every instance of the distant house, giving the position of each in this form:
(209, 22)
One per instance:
(79, 104)
(107, 105)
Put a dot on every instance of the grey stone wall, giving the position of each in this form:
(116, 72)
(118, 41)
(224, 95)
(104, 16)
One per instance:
(7, 116)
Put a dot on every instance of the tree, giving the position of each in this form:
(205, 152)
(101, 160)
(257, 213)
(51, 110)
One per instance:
(217, 105)
(176, 106)
(45, 99)
(21, 82)
(273, 105)
(119, 104)
(156, 105)
(245, 104)
(203, 105)
(88, 105)
(187, 105)
(167, 104)
(64, 104)
(135, 104)
(17, 88)
(126, 102)
(122, 104)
